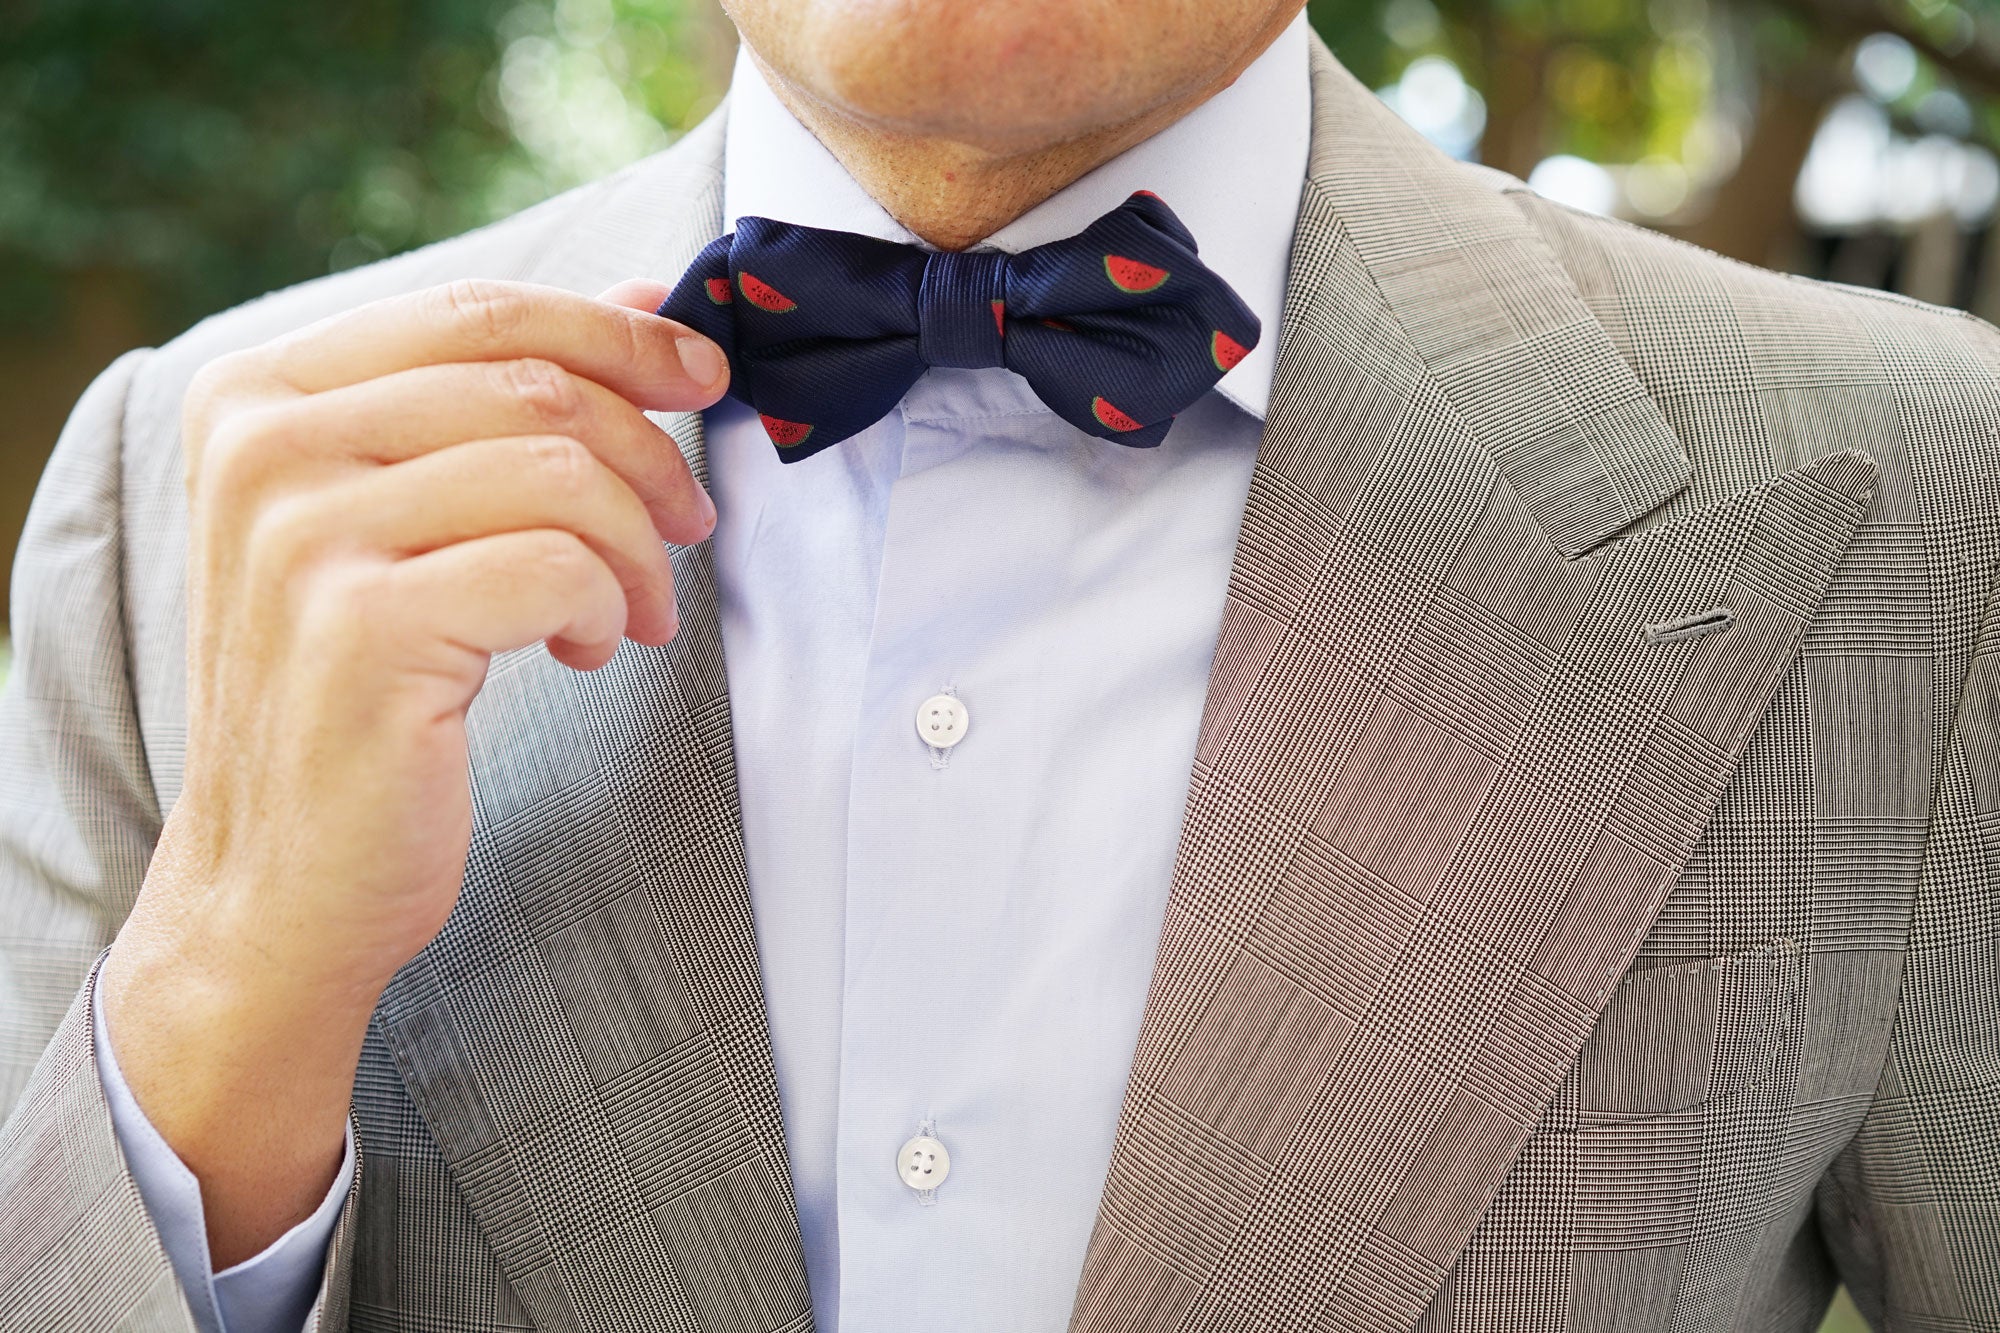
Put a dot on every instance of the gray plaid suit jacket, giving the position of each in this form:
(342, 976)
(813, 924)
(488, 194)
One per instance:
(1524, 968)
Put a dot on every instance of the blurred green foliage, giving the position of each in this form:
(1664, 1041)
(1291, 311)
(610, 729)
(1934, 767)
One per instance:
(1628, 80)
(216, 150)
(1625, 78)
(219, 149)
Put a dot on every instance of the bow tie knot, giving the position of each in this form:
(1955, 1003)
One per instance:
(1116, 328)
(962, 310)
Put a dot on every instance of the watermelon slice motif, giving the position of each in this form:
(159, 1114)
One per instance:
(1000, 317)
(1110, 416)
(1226, 351)
(1132, 275)
(764, 296)
(785, 434)
(718, 291)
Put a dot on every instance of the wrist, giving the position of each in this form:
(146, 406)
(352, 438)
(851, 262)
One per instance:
(198, 1032)
(218, 932)
(248, 1079)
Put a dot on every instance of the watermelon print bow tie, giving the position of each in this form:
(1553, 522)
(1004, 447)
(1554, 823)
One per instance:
(1116, 328)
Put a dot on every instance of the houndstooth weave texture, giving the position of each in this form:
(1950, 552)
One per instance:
(1521, 970)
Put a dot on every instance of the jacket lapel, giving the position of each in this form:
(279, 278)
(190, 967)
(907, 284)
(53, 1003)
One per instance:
(1445, 777)
(586, 1037)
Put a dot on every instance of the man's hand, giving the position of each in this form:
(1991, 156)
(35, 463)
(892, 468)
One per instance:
(377, 504)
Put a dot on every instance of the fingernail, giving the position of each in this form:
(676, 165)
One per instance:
(707, 507)
(702, 360)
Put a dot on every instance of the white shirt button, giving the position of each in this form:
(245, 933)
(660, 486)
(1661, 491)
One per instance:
(923, 1163)
(942, 720)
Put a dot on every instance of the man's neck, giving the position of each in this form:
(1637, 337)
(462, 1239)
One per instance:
(952, 194)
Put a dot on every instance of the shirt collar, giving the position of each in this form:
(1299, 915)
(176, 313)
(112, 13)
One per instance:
(1232, 170)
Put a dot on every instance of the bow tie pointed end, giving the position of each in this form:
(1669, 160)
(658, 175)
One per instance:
(1116, 329)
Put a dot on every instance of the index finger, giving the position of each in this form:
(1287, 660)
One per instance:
(652, 362)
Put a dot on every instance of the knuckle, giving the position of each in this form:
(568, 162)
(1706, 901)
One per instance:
(283, 536)
(205, 391)
(490, 313)
(207, 459)
(562, 464)
(346, 603)
(209, 391)
(565, 558)
(545, 388)
(629, 344)
(234, 442)
(232, 457)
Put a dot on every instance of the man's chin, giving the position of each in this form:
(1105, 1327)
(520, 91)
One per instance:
(1005, 78)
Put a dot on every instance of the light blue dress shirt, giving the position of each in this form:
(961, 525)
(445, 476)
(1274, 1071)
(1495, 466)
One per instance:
(954, 941)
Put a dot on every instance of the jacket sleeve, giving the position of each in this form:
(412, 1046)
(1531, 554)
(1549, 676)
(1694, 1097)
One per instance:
(1911, 1209)
(78, 820)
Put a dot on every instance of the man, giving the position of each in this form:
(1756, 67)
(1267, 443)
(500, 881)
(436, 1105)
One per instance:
(1490, 824)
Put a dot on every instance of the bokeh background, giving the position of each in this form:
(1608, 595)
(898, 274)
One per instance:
(162, 159)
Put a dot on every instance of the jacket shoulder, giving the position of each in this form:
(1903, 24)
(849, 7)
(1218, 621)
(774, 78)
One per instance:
(1789, 325)
(1741, 357)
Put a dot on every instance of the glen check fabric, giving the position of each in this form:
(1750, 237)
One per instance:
(1522, 969)
(1116, 328)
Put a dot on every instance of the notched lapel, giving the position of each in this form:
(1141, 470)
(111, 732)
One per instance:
(1444, 782)
(586, 1037)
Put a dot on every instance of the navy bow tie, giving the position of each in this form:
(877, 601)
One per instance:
(1116, 328)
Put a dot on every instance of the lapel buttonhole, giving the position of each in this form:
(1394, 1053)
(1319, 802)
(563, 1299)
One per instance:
(1689, 627)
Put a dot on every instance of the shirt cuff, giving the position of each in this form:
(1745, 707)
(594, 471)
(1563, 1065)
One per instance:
(270, 1292)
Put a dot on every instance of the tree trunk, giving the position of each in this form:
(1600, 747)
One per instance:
(41, 375)
(1516, 107)
(1751, 217)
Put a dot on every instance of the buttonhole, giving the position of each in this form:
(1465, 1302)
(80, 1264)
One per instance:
(1688, 627)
